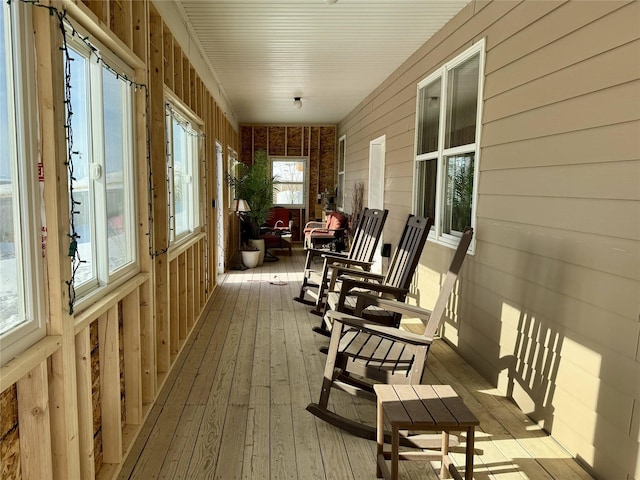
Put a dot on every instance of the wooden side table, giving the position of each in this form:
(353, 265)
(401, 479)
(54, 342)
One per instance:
(425, 408)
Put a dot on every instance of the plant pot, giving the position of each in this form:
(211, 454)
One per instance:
(259, 244)
(250, 258)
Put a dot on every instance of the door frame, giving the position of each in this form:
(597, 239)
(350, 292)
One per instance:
(375, 190)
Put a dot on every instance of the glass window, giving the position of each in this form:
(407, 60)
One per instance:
(102, 186)
(21, 312)
(289, 174)
(447, 126)
(183, 154)
(342, 144)
(429, 117)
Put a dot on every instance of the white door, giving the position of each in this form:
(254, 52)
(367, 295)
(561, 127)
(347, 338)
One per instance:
(220, 207)
(375, 199)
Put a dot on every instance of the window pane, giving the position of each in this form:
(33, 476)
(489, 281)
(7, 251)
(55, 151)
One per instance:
(289, 194)
(11, 301)
(426, 188)
(180, 175)
(289, 182)
(458, 194)
(462, 105)
(429, 117)
(82, 185)
(341, 154)
(292, 171)
(117, 152)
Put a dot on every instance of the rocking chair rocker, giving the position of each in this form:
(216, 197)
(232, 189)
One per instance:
(362, 353)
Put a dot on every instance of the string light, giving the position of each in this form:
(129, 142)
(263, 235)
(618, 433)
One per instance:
(67, 29)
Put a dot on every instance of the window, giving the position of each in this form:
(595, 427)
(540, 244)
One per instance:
(183, 152)
(290, 174)
(103, 184)
(21, 302)
(232, 162)
(447, 145)
(342, 142)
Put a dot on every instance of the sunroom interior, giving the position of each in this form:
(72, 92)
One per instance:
(129, 348)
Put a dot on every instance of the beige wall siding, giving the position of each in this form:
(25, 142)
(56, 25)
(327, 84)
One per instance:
(549, 306)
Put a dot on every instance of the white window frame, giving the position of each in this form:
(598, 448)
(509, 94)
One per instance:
(194, 146)
(232, 162)
(20, 49)
(441, 153)
(87, 291)
(305, 190)
(342, 156)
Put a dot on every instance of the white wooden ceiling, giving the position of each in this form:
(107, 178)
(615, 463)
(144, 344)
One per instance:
(266, 52)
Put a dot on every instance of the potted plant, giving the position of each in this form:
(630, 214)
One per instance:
(255, 184)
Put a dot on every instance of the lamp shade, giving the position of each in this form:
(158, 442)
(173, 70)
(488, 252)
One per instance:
(239, 205)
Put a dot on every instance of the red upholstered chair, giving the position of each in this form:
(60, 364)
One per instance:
(278, 225)
(317, 234)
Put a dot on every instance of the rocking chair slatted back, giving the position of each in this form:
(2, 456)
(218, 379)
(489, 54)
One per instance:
(367, 234)
(407, 255)
(366, 238)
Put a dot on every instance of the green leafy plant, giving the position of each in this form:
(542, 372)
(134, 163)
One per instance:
(462, 197)
(255, 184)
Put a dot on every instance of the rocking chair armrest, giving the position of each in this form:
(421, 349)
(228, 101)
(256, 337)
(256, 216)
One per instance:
(366, 300)
(354, 272)
(314, 224)
(318, 252)
(348, 262)
(391, 333)
(348, 284)
(338, 257)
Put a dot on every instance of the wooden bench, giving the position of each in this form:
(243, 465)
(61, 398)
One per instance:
(422, 408)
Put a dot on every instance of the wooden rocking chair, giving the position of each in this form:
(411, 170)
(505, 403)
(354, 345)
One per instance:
(365, 240)
(395, 284)
(361, 353)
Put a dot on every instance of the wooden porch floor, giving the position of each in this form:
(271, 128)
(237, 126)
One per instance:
(234, 404)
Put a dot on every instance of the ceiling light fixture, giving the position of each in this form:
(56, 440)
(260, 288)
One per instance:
(330, 2)
(297, 102)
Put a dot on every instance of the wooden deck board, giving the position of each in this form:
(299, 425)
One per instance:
(233, 407)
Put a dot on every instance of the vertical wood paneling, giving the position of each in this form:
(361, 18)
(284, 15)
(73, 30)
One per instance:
(177, 70)
(140, 22)
(110, 386)
(85, 403)
(35, 426)
(167, 55)
(132, 358)
(62, 388)
(190, 285)
(120, 20)
(174, 307)
(182, 295)
(161, 214)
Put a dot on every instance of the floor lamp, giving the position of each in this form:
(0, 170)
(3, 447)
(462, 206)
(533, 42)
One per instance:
(239, 206)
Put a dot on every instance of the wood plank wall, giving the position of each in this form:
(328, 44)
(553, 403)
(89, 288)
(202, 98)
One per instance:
(316, 142)
(72, 405)
(548, 308)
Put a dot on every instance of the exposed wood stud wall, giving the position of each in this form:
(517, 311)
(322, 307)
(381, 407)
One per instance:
(77, 399)
(317, 143)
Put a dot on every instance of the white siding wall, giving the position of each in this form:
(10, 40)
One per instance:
(549, 307)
